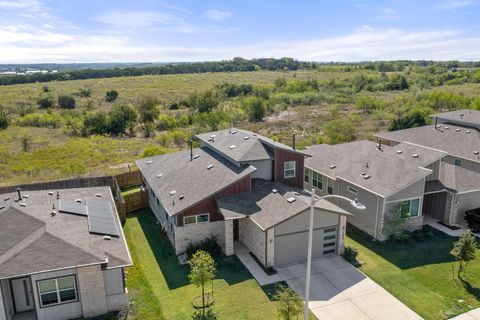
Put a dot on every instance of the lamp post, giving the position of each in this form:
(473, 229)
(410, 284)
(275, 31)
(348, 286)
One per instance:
(354, 204)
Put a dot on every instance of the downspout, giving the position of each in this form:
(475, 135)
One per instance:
(376, 218)
(451, 209)
(266, 246)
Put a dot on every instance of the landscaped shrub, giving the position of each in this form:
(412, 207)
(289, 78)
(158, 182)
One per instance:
(40, 120)
(350, 254)
(208, 245)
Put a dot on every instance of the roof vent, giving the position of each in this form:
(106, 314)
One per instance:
(212, 136)
(234, 131)
(232, 146)
(210, 139)
(468, 131)
(25, 196)
(210, 166)
(296, 193)
(159, 175)
(196, 156)
(181, 197)
(78, 200)
(274, 190)
(172, 192)
(2, 207)
(333, 166)
(399, 151)
(458, 129)
(366, 177)
(415, 155)
(446, 128)
(291, 199)
(363, 173)
(6, 199)
(98, 195)
(50, 193)
(23, 204)
(107, 238)
(439, 126)
(149, 161)
(246, 138)
(475, 152)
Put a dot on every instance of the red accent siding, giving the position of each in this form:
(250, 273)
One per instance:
(282, 156)
(209, 205)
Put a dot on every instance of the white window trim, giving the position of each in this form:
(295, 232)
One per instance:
(321, 180)
(196, 218)
(352, 190)
(420, 206)
(285, 169)
(57, 291)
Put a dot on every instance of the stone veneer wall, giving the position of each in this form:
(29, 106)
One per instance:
(270, 247)
(253, 238)
(191, 233)
(228, 244)
(92, 291)
(342, 227)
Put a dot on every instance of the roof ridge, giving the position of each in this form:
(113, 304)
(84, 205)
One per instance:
(73, 245)
(23, 244)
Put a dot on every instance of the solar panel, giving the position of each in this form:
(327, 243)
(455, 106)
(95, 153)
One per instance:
(72, 207)
(101, 217)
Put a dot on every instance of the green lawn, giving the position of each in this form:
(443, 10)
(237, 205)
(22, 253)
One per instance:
(420, 274)
(130, 190)
(161, 288)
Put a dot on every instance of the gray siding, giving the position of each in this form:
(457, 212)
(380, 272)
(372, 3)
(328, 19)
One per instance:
(435, 167)
(161, 214)
(115, 289)
(467, 164)
(264, 169)
(7, 311)
(462, 203)
(415, 190)
(299, 223)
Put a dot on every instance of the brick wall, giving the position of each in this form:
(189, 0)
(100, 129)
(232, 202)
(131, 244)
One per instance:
(253, 238)
(92, 291)
(192, 233)
(228, 243)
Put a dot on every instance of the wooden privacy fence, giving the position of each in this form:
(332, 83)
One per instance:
(129, 179)
(135, 201)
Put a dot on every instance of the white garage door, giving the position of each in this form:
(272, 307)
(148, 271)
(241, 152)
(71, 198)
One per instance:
(292, 248)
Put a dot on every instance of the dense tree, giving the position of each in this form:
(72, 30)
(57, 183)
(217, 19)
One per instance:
(46, 101)
(66, 102)
(415, 118)
(111, 95)
(256, 109)
(122, 117)
(340, 131)
(3, 117)
(203, 102)
(148, 109)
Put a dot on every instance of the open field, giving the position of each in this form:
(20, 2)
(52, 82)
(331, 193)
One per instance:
(421, 274)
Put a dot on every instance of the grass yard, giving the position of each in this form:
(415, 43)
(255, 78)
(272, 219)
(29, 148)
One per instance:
(161, 288)
(420, 274)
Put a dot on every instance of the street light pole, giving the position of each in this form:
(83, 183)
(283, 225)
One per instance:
(355, 204)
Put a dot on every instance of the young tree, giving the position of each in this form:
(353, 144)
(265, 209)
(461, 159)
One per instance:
(111, 95)
(290, 306)
(255, 108)
(148, 109)
(122, 118)
(201, 315)
(464, 250)
(202, 271)
(66, 102)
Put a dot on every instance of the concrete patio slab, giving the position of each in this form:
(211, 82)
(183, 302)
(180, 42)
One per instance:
(340, 311)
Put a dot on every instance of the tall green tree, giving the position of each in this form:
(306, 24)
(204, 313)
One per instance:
(290, 306)
(464, 250)
(122, 117)
(202, 271)
(148, 109)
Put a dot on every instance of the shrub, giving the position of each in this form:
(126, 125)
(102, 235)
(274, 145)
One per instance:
(208, 245)
(206, 314)
(111, 95)
(153, 151)
(85, 92)
(148, 109)
(350, 254)
(256, 109)
(46, 102)
(122, 118)
(340, 130)
(96, 123)
(66, 102)
(3, 121)
(40, 120)
(203, 102)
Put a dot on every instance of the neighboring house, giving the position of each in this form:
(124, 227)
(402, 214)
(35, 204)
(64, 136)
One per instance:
(383, 178)
(194, 194)
(62, 254)
(457, 186)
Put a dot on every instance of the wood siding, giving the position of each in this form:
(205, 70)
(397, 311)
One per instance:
(209, 205)
(282, 156)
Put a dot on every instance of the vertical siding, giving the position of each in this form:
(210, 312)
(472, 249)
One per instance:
(282, 156)
(209, 204)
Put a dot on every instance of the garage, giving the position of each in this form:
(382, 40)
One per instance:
(291, 238)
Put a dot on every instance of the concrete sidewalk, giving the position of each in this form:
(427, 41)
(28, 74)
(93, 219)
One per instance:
(471, 315)
(339, 291)
(262, 278)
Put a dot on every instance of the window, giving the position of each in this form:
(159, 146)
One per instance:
(409, 208)
(352, 190)
(289, 169)
(158, 202)
(328, 230)
(329, 251)
(317, 180)
(330, 186)
(307, 175)
(57, 291)
(205, 217)
(457, 162)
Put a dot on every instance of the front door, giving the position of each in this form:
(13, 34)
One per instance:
(235, 230)
(22, 294)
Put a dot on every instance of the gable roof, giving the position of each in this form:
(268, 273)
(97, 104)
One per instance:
(191, 179)
(381, 171)
(267, 208)
(32, 240)
(465, 116)
(457, 179)
(456, 140)
(248, 146)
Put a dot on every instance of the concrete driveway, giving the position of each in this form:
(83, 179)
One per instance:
(339, 291)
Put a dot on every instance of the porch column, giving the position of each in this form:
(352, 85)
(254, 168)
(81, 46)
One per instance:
(3, 315)
(228, 249)
(342, 227)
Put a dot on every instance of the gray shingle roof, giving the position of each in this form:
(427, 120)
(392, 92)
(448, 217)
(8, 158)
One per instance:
(32, 240)
(190, 179)
(387, 170)
(465, 116)
(249, 146)
(461, 143)
(267, 208)
(458, 179)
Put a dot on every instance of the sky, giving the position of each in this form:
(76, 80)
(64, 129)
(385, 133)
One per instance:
(53, 31)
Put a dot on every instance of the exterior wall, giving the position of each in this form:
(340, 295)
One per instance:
(92, 291)
(264, 169)
(228, 243)
(209, 205)
(270, 247)
(299, 223)
(63, 311)
(462, 203)
(161, 214)
(320, 192)
(435, 167)
(115, 289)
(196, 232)
(412, 223)
(253, 238)
(3, 311)
(7, 300)
(415, 190)
(282, 156)
(434, 205)
(467, 164)
(342, 229)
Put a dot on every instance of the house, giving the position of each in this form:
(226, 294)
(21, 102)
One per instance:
(383, 178)
(240, 186)
(456, 189)
(62, 254)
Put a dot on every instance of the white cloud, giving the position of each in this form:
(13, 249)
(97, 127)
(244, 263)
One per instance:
(389, 12)
(21, 43)
(456, 4)
(217, 14)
